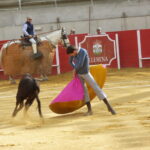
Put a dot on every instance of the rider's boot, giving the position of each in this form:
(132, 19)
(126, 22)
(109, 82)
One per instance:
(36, 54)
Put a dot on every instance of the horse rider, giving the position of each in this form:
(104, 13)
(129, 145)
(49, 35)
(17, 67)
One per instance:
(28, 31)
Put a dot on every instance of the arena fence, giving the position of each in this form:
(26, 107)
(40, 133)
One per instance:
(120, 49)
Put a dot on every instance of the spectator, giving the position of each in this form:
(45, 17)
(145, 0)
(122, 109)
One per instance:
(99, 31)
(72, 32)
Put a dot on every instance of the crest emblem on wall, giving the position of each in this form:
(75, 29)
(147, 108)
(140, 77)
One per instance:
(101, 49)
(97, 49)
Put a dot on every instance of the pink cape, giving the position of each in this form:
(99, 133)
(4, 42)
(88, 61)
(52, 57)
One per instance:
(72, 92)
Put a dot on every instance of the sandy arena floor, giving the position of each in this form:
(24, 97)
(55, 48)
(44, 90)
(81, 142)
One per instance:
(129, 93)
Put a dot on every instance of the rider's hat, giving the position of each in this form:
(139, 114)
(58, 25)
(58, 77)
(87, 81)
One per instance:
(29, 18)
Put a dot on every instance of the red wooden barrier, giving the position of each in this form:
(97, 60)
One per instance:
(128, 49)
(145, 46)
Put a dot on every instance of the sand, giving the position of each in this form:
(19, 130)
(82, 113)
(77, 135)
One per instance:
(128, 91)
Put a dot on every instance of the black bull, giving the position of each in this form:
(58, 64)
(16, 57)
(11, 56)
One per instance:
(28, 90)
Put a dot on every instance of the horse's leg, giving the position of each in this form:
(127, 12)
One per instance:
(12, 80)
(16, 110)
(44, 77)
(39, 106)
(41, 78)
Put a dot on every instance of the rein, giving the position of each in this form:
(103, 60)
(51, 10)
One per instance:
(37, 35)
(48, 32)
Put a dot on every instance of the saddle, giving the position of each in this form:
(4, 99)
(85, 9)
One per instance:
(25, 41)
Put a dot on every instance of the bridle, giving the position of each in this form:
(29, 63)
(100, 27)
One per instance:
(64, 37)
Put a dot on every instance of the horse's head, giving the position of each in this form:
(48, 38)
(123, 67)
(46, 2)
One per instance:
(58, 36)
(64, 38)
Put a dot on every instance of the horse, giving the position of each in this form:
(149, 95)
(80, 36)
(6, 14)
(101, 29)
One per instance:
(16, 59)
(28, 90)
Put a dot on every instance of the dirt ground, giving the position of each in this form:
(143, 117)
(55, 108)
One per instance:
(128, 91)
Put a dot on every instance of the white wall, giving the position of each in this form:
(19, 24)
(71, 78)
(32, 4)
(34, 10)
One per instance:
(111, 15)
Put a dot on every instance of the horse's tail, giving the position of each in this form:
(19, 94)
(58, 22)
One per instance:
(1, 54)
(4, 48)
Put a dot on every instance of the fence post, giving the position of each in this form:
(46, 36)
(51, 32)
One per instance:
(139, 48)
(57, 60)
(76, 42)
(117, 51)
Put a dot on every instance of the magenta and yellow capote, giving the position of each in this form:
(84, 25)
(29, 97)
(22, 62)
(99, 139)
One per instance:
(71, 98)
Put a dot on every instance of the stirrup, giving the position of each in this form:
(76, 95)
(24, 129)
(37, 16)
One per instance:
(37, 55)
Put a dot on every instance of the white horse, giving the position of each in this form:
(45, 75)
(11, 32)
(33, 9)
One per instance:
(16, 59)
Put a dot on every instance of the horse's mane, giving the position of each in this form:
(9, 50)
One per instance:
(53, 36)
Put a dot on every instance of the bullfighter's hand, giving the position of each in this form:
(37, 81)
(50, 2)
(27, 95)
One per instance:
(74, 73)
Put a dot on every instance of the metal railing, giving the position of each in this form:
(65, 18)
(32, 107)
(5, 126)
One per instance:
(21, 3)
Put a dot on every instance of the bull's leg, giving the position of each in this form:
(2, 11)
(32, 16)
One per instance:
(16, 110)
(28, 103)
(39, 106)
(12, 80)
